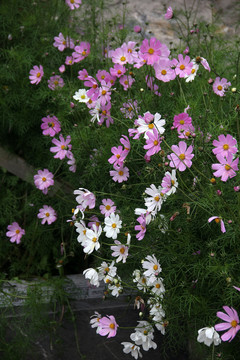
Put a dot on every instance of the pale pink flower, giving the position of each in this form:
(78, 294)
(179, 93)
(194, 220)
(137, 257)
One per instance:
(103, 75)
(50, 126)
(201, 60)
(181, 120)
(231, 323)
(104, 93)
(73, 4)
(118, 156)
(61, 43)
(55, 82)
(225, 145)
(141, 227)
(137, 29)
(15, 232)
(85, 198)
(181, 158)
(163, 70)
(226, 168)
(120, 56)
(62, 69)
(108, 326)
(130, 47)
(72, 163)
(220, 85)
(153, 142)
(36, 74)
(107, 208)
(81, 51)
(169, 183)
(126, 143)
(43, 179)
(183, 66)
(237, 288)
(105, 115)
(130, 109)
(152, 50)
(169, 13)
(47, 214)
(126, 81)
(118, 70)
(120, 173)
(62, 148)
(83, 74)
(217, 220)
(69, 60)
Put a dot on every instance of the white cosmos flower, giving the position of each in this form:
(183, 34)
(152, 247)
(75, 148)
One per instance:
(120, 251)
(154, 202)
(94, 322)
(152, 267)
(193, 73)
(144, 335)
(158, 287)
(95, 112)
(81, 96)
(107, 270)
(144, 127)
(92, 236)
(92, 275)
(113, 224)
(81, 229)
(208, 335)
(132, 348)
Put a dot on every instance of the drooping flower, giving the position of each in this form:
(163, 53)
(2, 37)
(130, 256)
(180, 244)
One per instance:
(94, 322)
(108, 326)
(107, 208)
(131, 348)
(15, 232)
(231, 323)
(50, 126)
(92, 275)
(169, 183)
(208, 335)
(72, 163)
(226, 168)
(217, 220)
(55, 82)
(43, 179)
(181, 158)
(225, 145)
(141, 227)
(155, 199)
(200, 60)
(113, 224)
(62, 148)
(73, 4)
(85, 198)
(220, 85)
(169, 13)
(36, 74)
(47, 214)
(91, 242)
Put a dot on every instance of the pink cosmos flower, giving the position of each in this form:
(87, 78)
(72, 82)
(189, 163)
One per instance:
(163, 70)
(108, 326)
(130, 47)
(85, 198)
(151, 85)
(231, 322)
(225, 145)
(69, 60)
(219, 86)
(227, 167)
(120, 174)
(237, 288)
(153, 142)
(217, 220)
(130, 109)
(62, 68)
(183, 66)
(83, 74)
(141, 227)
(15, 232)
(105, 115)
(181, 120)
(118, 156)
(93, 84)
(137, 29)
(107, 208)
(126, 81)
(185, 131)
(94, 220)
(103, 75)
(62, 148)
(73, 4)
(118, 70)
(126, 143)
(120, 56)
(47, 214)
(61, 43)
(50, 126)
(181, 158)
(169, 13)
(72, 163)
(152, 50)
(81, 51)
(36, 74)
(55, 82)
(104, 93)
(43, 179)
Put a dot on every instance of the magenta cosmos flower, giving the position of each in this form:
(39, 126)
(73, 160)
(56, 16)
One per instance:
(118, 156)
(137, 29)
(153, 142)
(73, 4)
(15, 232)
(43, 179)
(81, 51)
(61, 43)
(141, 227)
(152, 50)
(181, 120)
(183, 66)
(108, 326)
(231, 323)
(218, 220)
(50, 126)
(36, 74)
(55, 82)
(226, 168)
(169, 13)
(62, 148)
(220, 85)
(107, 208)
(47, 214)
(181, 158)
(225, 145)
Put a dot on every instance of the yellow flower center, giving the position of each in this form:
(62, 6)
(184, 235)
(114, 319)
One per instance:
(47, 214)
(84, 232)
(193, 71)
(103, 77)
(130, 50)
(38, 74)
(143, 280)
(217, 220)
(108, 207)
(122, 250)
(181, 122)
(155, 142)
(225, 147)
(83, 97)
(55, 82)
(119, 72)
(104, 92)
(112, 326)
(126, 82)
(123, 58)
(17, 231)
(151, 126)
(163, 72)
(72, 1)
(130, 109)
(104, 112)
(150, 51)
(120, 173)
(227, 167)
(114, 225)
(70, 61)
(172, 182)
(234, 323)
(106, 269)
(145, 332)
(155, 267)
(90, 101)
(156, 198)
(94, 86)
(64, 42)
(181, 156)
(182, 67)
(158, 286)
(94, 239)
(187, 133)
(118, 156)
(84, 53)
(219, 87)
(63, 147)
(44, 179)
